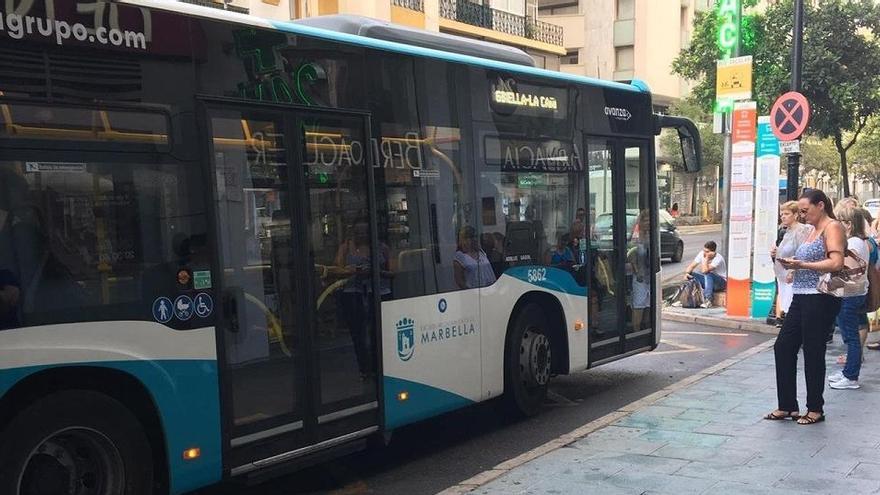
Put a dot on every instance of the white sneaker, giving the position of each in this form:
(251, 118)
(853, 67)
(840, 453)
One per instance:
(835, 377)
(706, 305)
(846, 383)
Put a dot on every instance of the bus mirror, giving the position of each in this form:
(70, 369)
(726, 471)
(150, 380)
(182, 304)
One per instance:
(688, 136)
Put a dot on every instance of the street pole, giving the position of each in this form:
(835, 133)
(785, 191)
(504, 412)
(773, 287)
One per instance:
(727, 119)
(797, 59)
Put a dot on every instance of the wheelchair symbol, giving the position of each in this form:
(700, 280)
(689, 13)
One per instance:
(204, 305)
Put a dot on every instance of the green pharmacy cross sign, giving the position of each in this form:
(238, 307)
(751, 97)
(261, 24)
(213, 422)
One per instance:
(728, 26)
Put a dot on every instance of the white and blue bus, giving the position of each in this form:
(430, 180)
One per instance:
(230, 246)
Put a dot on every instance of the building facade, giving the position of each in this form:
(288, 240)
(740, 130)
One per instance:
(509, 22)
(623, 40)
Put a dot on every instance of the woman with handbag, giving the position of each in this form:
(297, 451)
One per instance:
(853, 297)
(811, 313)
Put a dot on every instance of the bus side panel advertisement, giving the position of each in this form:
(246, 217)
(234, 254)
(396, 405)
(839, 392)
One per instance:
(431, 355)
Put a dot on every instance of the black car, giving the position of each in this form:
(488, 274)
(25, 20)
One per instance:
(671, 245)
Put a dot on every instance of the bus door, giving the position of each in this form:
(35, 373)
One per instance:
(642, 256)
(299, 281)
(621, 264)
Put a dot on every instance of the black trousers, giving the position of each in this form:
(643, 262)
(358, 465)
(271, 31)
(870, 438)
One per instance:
(805, 325)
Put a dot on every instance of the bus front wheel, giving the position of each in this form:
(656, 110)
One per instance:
(75, 442)
(528, 362)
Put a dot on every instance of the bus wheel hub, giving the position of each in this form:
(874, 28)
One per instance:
(534, 359)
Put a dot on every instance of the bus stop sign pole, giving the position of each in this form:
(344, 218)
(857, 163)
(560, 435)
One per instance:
(794, 159)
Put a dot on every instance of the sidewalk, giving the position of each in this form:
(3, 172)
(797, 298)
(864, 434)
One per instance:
(705, 435)
(716, 317)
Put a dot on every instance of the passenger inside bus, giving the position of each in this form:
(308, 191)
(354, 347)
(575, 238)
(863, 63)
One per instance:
(354, 259)
(34, 281)
(471, 266)
(639, 260)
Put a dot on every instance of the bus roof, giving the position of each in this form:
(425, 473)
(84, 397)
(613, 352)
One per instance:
(383, 30)
(300, 28)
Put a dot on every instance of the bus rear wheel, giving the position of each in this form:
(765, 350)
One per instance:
(75, 442)
(528, 362)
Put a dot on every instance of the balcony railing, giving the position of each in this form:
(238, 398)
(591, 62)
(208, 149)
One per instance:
(477, 14)
(218, 5)
(410, 4)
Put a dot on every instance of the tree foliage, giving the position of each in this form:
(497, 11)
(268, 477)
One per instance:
(841, 64)
(866, 153)
(713, 144)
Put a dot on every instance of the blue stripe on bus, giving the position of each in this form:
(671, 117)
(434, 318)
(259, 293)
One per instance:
(424, 401)
(555, 279)
(292, 27)
(186, 394)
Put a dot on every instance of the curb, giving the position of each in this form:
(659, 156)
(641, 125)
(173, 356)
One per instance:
(699, 229)
(728, 323)
(503, 468)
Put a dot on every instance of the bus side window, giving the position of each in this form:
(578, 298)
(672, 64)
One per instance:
(81, 242)
(535, 212)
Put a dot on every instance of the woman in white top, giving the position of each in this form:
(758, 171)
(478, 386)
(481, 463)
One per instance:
(853, 302)
(472, 267)
(795, 235)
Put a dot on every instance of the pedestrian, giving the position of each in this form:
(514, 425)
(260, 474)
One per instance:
(811, 312)
(711, 272)
(853, 301)
(795, 235)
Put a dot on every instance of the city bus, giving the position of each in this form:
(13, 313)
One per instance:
(231, 247)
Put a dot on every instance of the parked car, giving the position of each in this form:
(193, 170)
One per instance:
(671, 245)
(873, 207)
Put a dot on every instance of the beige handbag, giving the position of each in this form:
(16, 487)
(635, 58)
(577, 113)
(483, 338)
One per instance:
(846, 281)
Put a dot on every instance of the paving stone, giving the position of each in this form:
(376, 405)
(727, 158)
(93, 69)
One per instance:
(866, 471)
(735, 487)
(685, 438)
(646, 421)
(632, 446)
(870, 455)
(564, 487)
(716, 405)
(820, 483)
(712, 417)
(660, 483)
(663, 411)
(762, 475)
(617, 432)
(691, 393)
(649, 463)
(721, 455)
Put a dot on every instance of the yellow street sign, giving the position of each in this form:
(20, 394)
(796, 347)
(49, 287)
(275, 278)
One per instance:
(734, 79)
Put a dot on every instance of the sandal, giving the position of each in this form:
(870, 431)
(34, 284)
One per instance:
(806, 419)
(773, 416)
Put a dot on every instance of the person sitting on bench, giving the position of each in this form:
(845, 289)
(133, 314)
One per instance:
(711, 272)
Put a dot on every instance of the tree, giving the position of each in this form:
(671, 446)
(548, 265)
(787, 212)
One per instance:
(866, 154)
(842, 72)
(841, 66)
(713, 144)
(820, 158)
